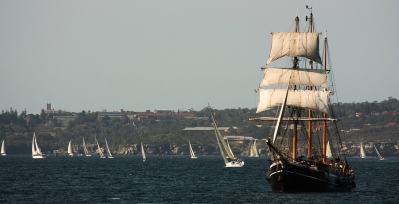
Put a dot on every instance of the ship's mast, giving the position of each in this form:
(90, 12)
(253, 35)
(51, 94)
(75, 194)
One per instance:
(324, 139)
(295, 131)
(310, 88)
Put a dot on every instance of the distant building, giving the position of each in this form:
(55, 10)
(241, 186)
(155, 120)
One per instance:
(64, 120)
(206, 128)
(111, 115)
(49, 110)
(163, 111)
(239, 138)
(135, 116)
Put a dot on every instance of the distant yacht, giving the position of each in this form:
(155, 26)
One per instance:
(110, 156)
(100, 151)
(378, 153)
(143, 153)
(3, 150)
(85, 149)
(36, 151)
(70, 153)
(362, 152)
(191, 151)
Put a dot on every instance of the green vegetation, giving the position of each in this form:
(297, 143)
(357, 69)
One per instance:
(376, 121)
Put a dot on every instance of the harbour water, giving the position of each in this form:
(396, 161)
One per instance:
(174, 179)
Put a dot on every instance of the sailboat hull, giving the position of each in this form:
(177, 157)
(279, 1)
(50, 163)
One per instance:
(38, 156)
(291, 177)
(235, 164)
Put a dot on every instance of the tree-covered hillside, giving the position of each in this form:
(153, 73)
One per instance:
(367, 122)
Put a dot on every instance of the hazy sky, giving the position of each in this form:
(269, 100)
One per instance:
(180, 54)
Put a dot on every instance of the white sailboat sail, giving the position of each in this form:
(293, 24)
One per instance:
(100, 150)
(85, 149)
(300, 77)
(229, 159)
(222, 152)
(255, 149)
(3, 150)
(328, 151)
(70, 153)
(310, 99)
(33, 145)
(108, 152)
(362, 151)
(250, 149)
(191, 151)
(378, 153)
(287, 44)
(143, 153)
(36, 152)
(229, 148)
(225, 147)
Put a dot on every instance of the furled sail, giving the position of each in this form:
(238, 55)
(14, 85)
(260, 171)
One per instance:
(311, 99)
(286, 44)
(304, 77)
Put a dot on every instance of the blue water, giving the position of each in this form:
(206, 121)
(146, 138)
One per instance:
(174, 179)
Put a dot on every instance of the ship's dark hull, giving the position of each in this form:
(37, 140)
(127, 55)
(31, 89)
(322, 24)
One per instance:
(293, 177)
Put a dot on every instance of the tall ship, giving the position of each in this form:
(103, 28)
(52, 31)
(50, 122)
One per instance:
(299, 100)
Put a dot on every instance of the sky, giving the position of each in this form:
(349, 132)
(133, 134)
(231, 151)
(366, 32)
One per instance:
(180, 54)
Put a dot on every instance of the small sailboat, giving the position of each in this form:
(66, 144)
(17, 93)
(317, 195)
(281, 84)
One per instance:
(378, 153)
(36, 151)
(70, 153)
(362, 151)
(143, 153)
(229, 159)
(85, 149)
(99, 150)
(254, 149)
(250, 152)
(328, 151)
(191, 151)
(110, 156)
(3, 150)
